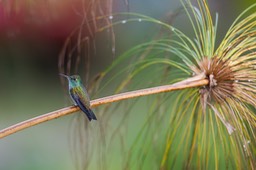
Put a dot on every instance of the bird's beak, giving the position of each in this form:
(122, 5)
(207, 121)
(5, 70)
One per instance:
(64, 75)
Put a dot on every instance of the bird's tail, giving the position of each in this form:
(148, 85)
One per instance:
(91, 115)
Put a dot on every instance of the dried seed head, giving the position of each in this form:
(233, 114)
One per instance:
(221, 79)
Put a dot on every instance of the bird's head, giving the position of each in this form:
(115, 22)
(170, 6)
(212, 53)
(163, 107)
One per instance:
(73, 80)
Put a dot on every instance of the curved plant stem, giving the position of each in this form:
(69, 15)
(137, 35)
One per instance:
(188, 83)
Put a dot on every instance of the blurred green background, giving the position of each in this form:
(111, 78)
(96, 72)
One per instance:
(30, 42)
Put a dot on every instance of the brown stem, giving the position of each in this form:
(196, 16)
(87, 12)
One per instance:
(188, 83)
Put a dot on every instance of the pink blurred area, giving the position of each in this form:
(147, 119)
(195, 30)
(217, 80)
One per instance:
(51, 18)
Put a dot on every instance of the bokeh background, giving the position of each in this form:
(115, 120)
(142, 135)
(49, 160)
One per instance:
(31, 37)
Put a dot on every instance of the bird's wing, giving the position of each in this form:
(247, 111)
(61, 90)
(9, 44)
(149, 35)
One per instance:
(80, 93)
(82, 104)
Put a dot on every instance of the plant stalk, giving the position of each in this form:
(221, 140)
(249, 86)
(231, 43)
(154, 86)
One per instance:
(196, 81)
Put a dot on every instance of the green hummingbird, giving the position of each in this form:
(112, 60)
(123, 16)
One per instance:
(79, 95)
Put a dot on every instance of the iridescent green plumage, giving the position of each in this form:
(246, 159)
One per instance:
(79, 95)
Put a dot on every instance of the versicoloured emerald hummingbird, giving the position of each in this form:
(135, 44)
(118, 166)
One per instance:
(79, 95)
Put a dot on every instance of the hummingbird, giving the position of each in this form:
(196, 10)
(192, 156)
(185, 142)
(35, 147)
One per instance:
(79, 95)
